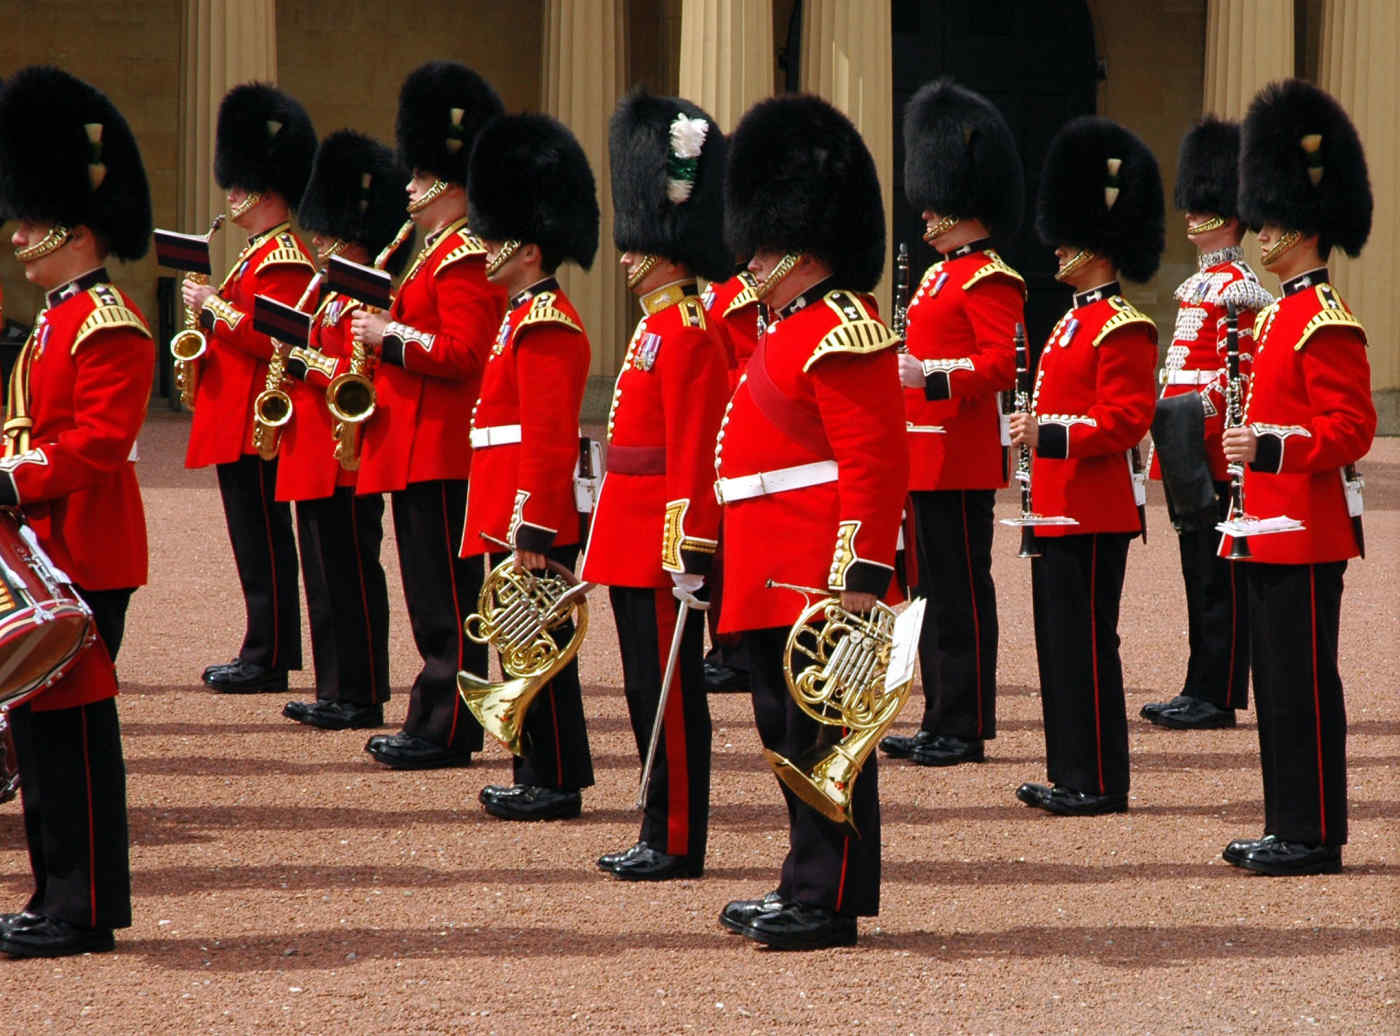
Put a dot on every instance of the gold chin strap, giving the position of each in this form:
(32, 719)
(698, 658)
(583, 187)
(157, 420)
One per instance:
(638, 273)
(245, 206)
(785, 266)
(51, 242)
(940, 228)
(508, 249)
(1205, 226)
(432, 194)
(331, 251)
(1074, 262)
(1283, 244)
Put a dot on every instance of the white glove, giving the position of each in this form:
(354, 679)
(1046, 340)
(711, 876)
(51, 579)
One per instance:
(689, 582)
(911, 371)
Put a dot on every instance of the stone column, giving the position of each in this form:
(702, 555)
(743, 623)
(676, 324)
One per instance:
(726, 56)
(584, 74)
(1248, 43)
(846, 58)
(1360, 53)
(226, 42)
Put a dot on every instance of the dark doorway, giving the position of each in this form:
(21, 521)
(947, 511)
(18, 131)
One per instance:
(1033, 59)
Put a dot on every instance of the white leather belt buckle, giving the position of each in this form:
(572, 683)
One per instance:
(1191, 377)
(783, 480)
(496, 435)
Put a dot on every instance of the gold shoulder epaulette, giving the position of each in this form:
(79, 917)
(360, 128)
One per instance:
(468, 245)
(1262, 318)
(858, 332)
(109, 311)
(543, 311)
(692, 312)
(1334, 313)
(287, 252)
(1126, 314)
(747, 296)
(995, 267)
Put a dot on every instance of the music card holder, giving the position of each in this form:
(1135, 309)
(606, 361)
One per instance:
(187, 252)
(1247, 526)
(277, 320)
(362, 283)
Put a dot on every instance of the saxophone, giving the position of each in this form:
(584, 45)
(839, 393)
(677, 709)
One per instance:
(272, 409)
(189, 342)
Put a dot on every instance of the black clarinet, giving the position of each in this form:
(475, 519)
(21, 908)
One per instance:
(1234, 417)
(1029, 547)
(899, 318)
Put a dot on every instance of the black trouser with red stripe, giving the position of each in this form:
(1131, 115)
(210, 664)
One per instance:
(1076, 586)
(73, 786)
(347, 599)
(1295, 614)
(1217, 609)
(677, 812)
(958, 643)
(554, 735)
(265, 552)
(827, 864)
(440, 590)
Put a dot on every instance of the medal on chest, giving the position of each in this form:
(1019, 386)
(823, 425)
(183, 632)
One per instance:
(1066, 331)
(647, 349)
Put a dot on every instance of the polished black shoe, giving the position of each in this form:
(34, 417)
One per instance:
(724, 679)
(607, 861)
(739, 914)
(50, 937)
(1183, 713)
(1067, 802)
(1286, 859)
(796, 926)
(528, 802)
(24, 919)
(901, 746)
(217, 668)
(334, 715)
(946, 750)
(403, 751)
(1236, 850)
(643, 863)
(245, 678)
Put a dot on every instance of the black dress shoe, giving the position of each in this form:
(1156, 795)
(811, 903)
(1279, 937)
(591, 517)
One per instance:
(644, 863)
(796, 926)
(403, 751)
(608, 860)
(946, 750)
(1236, 850)
(739, 914)
(528, 802)
(1067, 802)
(24, 919)
(723, 679)
(1286, 859)
(901, 746)
(334, 715)
(50, 937)
(1154, 708)
(246, 678)
(1183, 713)
(216, 668)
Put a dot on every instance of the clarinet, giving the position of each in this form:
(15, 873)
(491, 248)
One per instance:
(899, 318)
(1234, 417)
(1022, 403)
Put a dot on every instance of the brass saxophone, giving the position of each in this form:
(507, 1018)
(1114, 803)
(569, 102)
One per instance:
(189, 342)
(350, 396)
(272, 408)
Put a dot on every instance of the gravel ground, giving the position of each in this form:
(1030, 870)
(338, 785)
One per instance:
(284, 882)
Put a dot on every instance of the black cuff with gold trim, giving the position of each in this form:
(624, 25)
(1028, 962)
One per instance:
(1269, 457)
(938, 386)
(697, 562)
(1054, 442)
(391, 351)
(868, 577)
(295, 367)
(533, 539)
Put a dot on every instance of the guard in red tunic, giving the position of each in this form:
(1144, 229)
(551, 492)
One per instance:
(71, 174)
(656, 527)
(353, 207)
(431, 349)
(1101, 207)
(533, 201)
(262, 156)
(813, 468)
(1190, 417)
(1308, 418)
(962, 172)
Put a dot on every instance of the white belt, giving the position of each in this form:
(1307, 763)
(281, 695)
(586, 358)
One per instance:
(1189, 377)
(496, 435)
(763, 483)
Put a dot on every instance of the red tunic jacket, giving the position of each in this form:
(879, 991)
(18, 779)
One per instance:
(233, 369)
(525, 427)
(1195, 360)
(732, 309)
(1093, 403)
(89, 361)
(1310, 404)
(961, 324)
(827, 390)
(656, 511)
(443, 321)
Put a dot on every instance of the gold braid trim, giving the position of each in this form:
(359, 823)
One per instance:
(996, 267)
(1334, 313)
(746, 297)
(692, 312)
(544, 311)
(111, 312)
(287, 253)
(470, 247)
(857, 332)
(1127, 314)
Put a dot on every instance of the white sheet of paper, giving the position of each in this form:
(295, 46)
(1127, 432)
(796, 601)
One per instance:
(904, 652)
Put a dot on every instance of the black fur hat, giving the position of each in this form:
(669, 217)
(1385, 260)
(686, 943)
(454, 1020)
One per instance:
(1302, 167)
(67, 156)
(960, 158)
(800, 179)
(1101, 189)
(668, 182)
(442, 107)
(356, 193)
(530, 182)
(264, 142)
(1207, 173)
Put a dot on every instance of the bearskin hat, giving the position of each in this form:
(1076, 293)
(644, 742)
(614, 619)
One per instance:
(960, 158)
(442, 107)
(668, 182)
(67, 156)
(1302, 167)
(1207, 172)
(1101, 189)
(530, 182)
(800, 179)
(356, 193)
(264, 142)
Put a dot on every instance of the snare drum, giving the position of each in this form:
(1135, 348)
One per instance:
(43, 621)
